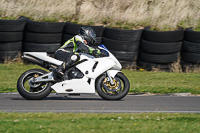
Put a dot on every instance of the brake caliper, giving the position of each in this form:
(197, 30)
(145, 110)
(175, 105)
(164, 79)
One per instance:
(36, 75)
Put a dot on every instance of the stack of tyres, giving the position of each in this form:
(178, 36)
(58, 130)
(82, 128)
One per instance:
(190, 56)
(11, 36)
(123, 44)
(160, 49)
(70, 30)
(43, 36)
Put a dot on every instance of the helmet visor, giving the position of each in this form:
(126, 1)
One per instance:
(93, 35)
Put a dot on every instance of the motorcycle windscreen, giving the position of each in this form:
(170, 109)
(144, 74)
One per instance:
(103, 50)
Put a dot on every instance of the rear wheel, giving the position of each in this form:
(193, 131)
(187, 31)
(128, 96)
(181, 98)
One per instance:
(117, 91)
(33, 91)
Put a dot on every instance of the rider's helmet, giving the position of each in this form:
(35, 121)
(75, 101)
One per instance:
(88, 34)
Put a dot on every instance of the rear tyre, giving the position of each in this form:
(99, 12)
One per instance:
(113, 92)
(36, 91)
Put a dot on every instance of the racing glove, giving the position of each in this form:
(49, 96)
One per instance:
(96, 52)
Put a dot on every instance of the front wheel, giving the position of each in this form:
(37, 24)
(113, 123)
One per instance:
(117, 91)
(33, 91)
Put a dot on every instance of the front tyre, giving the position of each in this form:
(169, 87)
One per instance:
(33, 91)
(117, 91)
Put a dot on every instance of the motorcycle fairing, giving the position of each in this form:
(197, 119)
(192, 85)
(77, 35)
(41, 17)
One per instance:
(79, 85)
(42, 56)
(75, 86)
(92, 72)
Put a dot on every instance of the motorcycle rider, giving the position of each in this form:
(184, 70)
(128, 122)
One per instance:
(77, 44)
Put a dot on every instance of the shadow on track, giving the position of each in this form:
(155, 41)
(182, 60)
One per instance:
(61, 98)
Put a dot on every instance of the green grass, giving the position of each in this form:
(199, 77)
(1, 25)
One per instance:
(163, 82)
(100, 123)
(10, 74)
(141, 81)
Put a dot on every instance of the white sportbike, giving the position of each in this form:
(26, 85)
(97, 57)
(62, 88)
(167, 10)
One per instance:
(90, 75)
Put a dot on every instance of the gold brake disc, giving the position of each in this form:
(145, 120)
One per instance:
(109, 85)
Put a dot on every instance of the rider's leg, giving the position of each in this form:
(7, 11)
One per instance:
(64, 56)
(67, 64)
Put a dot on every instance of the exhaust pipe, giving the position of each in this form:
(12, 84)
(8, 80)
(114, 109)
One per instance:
(32, 59)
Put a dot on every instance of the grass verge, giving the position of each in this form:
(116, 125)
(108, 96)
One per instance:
(84, 123)
(163, 82)
(141, 81)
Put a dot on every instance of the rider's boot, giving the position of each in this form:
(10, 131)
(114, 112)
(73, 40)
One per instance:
(59, 71)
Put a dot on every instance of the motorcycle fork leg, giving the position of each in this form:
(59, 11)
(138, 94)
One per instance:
(110, 78)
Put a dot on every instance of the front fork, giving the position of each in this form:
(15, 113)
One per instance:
(111, 75)
(110, 78)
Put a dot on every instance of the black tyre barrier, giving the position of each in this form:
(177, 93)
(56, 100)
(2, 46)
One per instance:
(191, 47)
(48, 36)
(12, 25)
(11, 36)
(4, 55)
(125, 56)
(98, 41)
(49, 48)
(158, 58)
(11, 46)
(73, 29)
(153, 66)
(190, 57)
(66, 37)
(44, 27)
(128, 64)
(160, 48)
(192, 36)
(131, 46)
(43, 38)
(122, 35)
(162, 36)
(186, 67)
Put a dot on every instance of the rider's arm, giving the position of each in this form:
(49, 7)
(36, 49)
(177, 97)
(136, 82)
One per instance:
(85, 48)
(81, 45)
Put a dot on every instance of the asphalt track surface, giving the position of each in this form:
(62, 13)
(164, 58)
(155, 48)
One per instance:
(13, 102)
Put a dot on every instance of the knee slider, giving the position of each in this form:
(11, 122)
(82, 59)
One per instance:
(75, 58)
